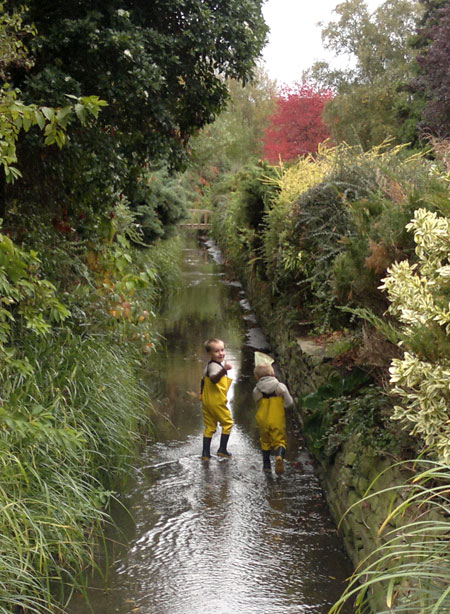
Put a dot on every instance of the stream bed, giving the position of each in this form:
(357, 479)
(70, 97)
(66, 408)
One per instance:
(220, 537)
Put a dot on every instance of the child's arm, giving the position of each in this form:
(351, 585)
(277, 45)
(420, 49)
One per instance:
(257, 394)
(216, 371)
(284, 392)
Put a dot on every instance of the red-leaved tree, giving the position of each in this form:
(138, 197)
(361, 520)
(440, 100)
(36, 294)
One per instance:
(296, 127)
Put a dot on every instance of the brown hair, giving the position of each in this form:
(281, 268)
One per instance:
(263, 371)
(209, 342)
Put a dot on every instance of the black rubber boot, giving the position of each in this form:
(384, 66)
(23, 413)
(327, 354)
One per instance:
(222, 451)
(267, 467)
(206, 452)
(279, 460)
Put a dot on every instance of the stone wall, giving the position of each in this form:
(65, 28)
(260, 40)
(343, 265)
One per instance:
(347, 475)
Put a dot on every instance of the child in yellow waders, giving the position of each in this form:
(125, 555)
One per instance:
(271, 397)
(215, 385)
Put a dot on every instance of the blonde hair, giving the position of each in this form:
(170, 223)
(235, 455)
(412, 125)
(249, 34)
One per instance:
(263, 371)
(209, 342)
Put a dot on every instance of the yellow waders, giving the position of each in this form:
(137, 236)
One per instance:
(215, 410)
(271, 421)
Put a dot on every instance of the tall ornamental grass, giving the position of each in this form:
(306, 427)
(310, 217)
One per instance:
(67, 434)
(412, 566)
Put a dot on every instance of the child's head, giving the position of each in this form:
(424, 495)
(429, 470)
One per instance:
(215, 349)
(263, 371)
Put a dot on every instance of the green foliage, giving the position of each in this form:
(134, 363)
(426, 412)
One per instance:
(331, 227)
(28, 302)
(236, 136)
(411, 567)
(344, 408)
(312, 224)
(162, 84)
(16, 116)
(419, 295)
(13, 52)
(237, 226)
(256, 192)
(373, 98)
(161, 203)
(334, 239)
(71, 420)
(67, 431)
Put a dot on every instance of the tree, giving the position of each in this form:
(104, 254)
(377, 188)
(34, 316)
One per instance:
(17, 118)
(371, 99)
(434, 77)
(161, 66)
(237, 134)
(296, 127)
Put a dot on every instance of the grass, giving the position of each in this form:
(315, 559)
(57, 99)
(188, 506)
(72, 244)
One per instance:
(412, 566)
(70, 425)
(70, 435)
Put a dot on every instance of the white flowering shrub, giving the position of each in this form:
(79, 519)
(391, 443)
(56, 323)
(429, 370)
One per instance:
(420, 299)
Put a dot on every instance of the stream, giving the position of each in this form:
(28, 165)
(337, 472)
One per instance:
(220, 537)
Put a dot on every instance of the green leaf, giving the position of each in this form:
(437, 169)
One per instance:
(40, 120)
(80, 110)
(63, 113)
(27, 123)
(49, 113)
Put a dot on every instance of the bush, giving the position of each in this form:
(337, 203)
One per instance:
(240, 209)
(344, 408)
(419, 296)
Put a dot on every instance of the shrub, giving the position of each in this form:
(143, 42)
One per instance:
(419, 295)
(344, 408)
(240, 215)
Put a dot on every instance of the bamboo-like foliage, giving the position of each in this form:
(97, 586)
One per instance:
(70, 426)
(412, 566)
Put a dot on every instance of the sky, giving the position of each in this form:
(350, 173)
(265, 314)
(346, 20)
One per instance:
(294, 39)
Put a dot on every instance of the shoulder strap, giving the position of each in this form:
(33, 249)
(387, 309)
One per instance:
(269, 395)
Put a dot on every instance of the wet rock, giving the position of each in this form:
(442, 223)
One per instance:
(257, 340)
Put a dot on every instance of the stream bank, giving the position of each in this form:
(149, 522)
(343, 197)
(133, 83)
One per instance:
(348, 466)
(222, 536)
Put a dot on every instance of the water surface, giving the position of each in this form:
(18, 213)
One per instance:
(219, 537)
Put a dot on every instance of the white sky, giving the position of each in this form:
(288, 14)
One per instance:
(294, 39)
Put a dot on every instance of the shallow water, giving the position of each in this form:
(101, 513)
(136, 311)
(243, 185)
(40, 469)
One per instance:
(219, 537)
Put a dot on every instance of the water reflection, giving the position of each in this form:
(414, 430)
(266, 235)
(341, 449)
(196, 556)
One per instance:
(223, 536)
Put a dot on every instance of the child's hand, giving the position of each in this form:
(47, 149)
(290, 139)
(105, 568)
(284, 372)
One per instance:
(227, 366)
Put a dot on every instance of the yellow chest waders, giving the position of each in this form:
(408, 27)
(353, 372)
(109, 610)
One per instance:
(271, 419)
(215, 410)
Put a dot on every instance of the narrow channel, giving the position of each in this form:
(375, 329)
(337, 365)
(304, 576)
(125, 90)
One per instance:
(219, 537)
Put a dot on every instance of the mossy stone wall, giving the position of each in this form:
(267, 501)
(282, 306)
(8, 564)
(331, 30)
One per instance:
(346, 476)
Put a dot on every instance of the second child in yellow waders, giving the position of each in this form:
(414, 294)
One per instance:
(215, 386)
(271, 397)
